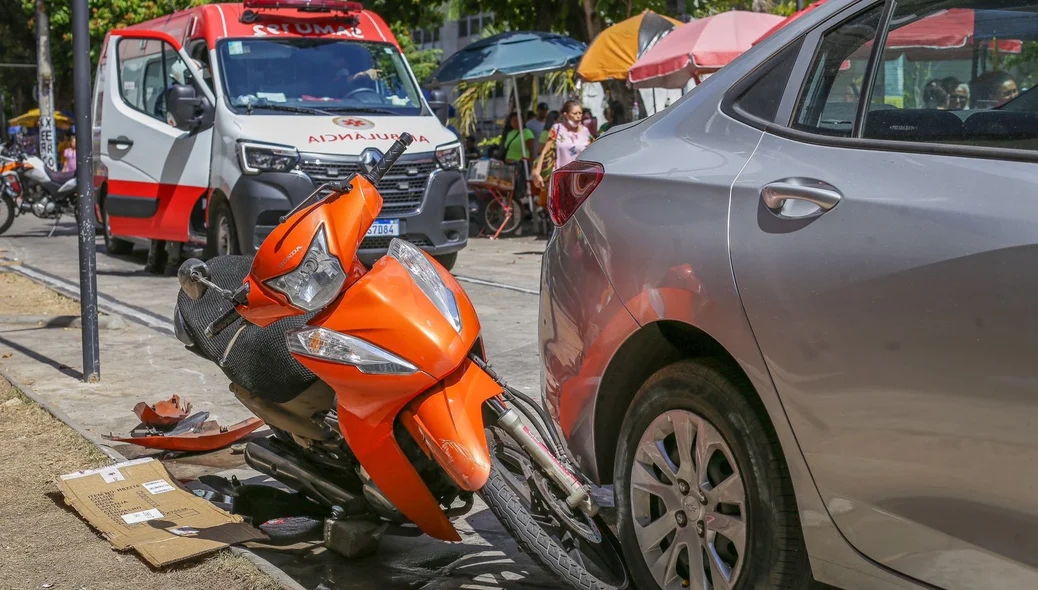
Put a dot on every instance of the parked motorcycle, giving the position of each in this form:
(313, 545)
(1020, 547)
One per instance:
(27, 186)
(376, 387)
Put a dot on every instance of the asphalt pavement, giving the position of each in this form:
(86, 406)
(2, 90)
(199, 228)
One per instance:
(142, 361)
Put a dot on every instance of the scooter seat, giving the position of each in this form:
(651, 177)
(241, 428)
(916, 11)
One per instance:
(258, 359)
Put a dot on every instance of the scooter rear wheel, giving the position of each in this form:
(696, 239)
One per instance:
(553, 544)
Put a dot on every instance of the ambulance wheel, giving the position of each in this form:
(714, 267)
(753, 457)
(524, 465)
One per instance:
(223, 236)
(447, 260)
(113, 244)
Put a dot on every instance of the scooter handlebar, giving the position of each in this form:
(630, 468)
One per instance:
(395, 151)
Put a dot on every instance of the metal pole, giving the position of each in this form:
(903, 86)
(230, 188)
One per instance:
(85, 188)
(800, 5)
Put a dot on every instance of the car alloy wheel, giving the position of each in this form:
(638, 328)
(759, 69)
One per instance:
(687, 502)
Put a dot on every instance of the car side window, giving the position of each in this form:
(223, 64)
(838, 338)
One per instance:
(760, 95)
(147, 68)
(958, 73)
(832, 90)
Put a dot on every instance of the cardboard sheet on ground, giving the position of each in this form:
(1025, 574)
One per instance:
(137, 505)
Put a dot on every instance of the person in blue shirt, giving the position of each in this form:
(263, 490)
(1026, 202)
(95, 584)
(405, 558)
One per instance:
(451, 114)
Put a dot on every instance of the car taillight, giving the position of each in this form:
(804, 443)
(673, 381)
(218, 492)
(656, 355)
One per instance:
(569, 186)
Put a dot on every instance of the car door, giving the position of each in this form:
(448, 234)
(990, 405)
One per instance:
(885, 246)
(156, 172)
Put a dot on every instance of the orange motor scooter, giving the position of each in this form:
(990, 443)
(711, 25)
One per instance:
(375, 384)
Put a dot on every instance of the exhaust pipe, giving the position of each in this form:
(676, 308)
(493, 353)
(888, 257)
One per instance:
(265, 457)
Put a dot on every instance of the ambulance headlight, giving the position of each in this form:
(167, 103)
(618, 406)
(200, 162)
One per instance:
(261, 157)
(450, 157)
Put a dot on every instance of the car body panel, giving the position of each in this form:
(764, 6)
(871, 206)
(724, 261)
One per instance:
(576, 294)
(669, 277)
(896, 327)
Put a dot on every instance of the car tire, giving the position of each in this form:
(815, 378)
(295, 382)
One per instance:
(113, 244)
(447, 260)
(710, 403)
(222, 235)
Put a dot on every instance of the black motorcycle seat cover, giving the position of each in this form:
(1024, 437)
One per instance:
(259, 360)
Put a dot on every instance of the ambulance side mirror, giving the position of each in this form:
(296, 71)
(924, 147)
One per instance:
(186, 110)
(440, 105)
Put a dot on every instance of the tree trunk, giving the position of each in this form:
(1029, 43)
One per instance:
(762, 5)
(592, 20)
(48, 147)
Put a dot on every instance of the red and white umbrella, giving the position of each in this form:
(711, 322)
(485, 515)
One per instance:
(702, 46)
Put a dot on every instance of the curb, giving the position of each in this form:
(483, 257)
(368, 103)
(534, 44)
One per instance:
(284, 580)
(63, 321)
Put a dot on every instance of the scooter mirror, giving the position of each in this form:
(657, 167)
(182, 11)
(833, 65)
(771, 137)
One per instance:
(370, 158)
(191, 268)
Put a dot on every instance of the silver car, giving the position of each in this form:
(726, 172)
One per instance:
(788, 318)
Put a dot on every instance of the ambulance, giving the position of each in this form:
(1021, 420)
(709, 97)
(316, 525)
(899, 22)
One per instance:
(215, 121)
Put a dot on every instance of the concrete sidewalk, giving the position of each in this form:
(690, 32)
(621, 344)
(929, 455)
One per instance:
(141, 361)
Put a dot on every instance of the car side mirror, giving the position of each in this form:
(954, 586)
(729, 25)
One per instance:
(369, 158)
(188, 273)
(187, 111)
(440, 105)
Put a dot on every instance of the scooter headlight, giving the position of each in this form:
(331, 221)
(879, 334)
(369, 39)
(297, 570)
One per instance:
(325, 344)
(316, 281)
(427, 279)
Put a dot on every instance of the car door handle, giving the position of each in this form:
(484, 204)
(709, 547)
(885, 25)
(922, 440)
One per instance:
(120, 143)
(776, 196)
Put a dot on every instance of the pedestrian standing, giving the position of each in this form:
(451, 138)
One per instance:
(537, 125)
(69, 155)
(567, 139)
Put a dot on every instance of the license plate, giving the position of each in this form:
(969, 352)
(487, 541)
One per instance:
(384, 227)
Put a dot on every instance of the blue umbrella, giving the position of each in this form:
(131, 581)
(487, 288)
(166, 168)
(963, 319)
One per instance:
(509, 55)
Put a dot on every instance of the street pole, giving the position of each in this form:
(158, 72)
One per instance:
(45, 77)
(800, 5)
(85, 189)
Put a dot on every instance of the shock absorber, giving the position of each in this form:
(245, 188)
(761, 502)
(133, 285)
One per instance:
(578, 494)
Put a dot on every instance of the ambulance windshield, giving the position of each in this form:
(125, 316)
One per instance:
(319, 76)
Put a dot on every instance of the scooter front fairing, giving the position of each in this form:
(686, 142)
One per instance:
(434, 388)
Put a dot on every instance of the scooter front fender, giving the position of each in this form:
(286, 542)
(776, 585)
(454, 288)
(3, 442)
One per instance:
(447, 423)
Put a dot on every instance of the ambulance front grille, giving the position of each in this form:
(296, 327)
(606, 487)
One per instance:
(402, 189)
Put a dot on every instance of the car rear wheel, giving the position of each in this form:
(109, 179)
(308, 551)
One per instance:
(703, 495)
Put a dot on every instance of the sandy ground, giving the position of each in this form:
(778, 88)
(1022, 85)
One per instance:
(45, 545)
(22, 296)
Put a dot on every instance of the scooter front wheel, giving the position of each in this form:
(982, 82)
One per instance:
(585, 554)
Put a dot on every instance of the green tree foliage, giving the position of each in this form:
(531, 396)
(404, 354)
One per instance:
(423, 61)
